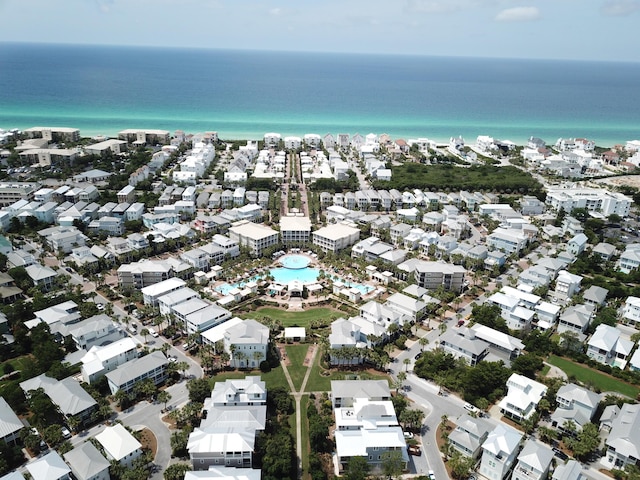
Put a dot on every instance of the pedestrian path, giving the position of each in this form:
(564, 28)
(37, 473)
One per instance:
(297, 395)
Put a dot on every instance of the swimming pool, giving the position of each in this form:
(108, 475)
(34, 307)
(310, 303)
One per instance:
(364, 289)
(285, 275)
(295, 261)
(225, 288)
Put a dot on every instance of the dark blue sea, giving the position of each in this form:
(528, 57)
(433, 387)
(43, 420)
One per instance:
(243, 94)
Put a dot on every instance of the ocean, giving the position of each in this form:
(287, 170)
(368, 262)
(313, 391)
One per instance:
(244, 94)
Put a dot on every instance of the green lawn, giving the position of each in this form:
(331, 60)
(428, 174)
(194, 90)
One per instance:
(599, 380)
(297, 369)
(320, 383)
(275, 378)
(293, 319)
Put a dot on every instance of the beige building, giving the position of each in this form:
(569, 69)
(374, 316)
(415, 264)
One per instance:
(295, 229)
(254, 236)
(334, 238)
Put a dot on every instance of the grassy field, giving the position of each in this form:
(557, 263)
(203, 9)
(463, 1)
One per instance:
(297, 369)
(275, 378)
(590, 376)
(320, 383)
(293, 319)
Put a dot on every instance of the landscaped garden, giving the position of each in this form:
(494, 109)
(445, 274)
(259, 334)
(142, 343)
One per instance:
(294, 319)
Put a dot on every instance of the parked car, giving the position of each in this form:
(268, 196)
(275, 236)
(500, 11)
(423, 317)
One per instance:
(432, 476)
(407, 434)
(66, 433)
(560, 454)
(153, 333)
(414, 450)
(470, 408)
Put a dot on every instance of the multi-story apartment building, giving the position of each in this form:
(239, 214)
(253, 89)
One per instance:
(253, 236)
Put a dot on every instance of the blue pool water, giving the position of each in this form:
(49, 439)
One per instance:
(225, 288)
(295, 261)
(364, 289)
(286, 275)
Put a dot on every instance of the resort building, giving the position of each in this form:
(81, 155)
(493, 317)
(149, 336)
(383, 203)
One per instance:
(593, 200)
(462, 343)
(295, 230)
(432, 275)
(151, 295)
(336, 237)
(100, 360)
(145, 137)
(254, 236)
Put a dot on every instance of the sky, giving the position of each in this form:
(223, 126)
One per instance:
(548, 29)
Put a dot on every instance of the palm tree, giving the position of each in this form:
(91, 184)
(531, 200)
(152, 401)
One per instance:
(406, 362)
(257, 356)
(164, 397)
(144, 332)
(424, 341)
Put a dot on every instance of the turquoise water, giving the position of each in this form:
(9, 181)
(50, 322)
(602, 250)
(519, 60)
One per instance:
(225, 288)
(104, 89)
(286, 275)
(295, 261)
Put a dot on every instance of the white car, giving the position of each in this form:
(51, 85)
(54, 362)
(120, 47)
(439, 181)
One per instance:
(100, 306)
(66, 433)
(470, 408)
(153, 333)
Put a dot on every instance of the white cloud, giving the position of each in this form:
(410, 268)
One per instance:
(518, 14)
(620, 7)
(104, 5)
(275, 12)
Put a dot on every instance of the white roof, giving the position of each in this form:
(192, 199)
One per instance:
(224, 473)
(9, 421)
(49, 467)
(213, 440)
(163, 287)
(118, 442)
(291, 332)
(351, 443)
(503, 439)
(216, 333)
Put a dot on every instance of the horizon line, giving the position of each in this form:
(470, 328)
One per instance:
(314, 52)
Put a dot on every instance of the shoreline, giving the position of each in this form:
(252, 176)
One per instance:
(243, 135)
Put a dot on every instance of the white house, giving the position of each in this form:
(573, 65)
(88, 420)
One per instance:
(533, 462)
(522, 397)
(119, 444)
(87, 463)
(575, 404)
(623, 442)
(607, 346)
(499, 452)
(49, 467)
(247, 343)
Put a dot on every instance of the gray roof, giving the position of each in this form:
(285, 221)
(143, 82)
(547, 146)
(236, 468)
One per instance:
(571, 470)
(135, 368)
(360, 389)
(9, 421)
(595, 294)
(67, 394)
(86, 461)
(625, 431)
(535, 455)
